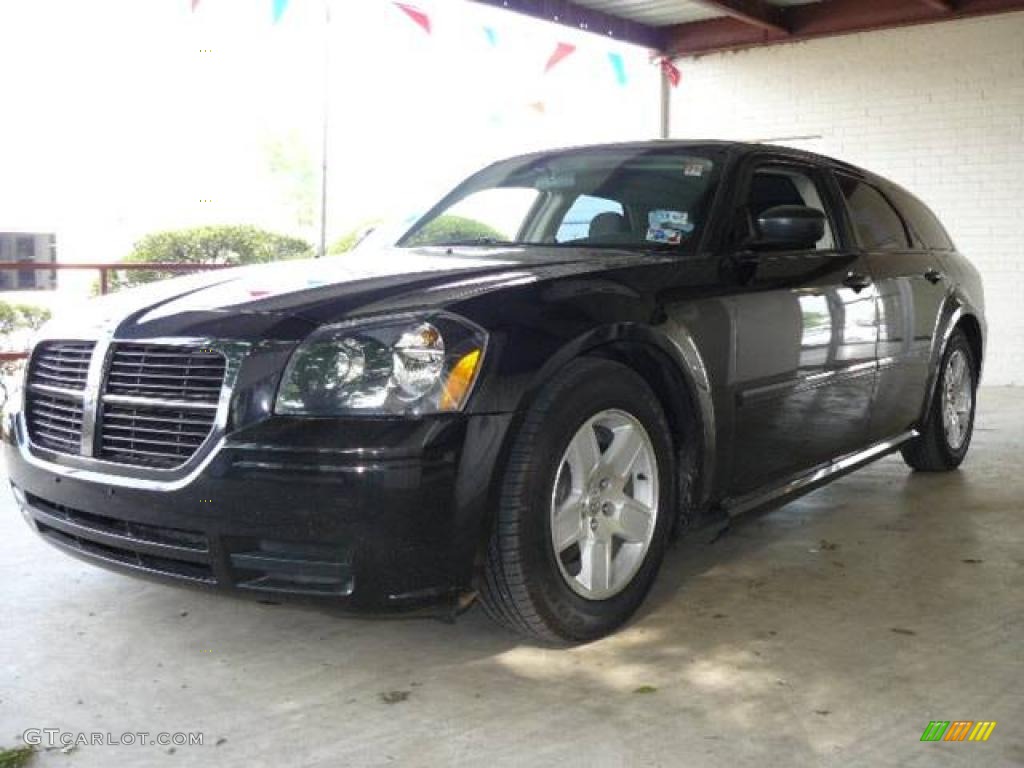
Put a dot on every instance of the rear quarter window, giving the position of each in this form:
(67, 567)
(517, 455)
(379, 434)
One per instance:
(922, 221)
(877, 224)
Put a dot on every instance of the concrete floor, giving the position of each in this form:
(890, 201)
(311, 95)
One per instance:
(829, 632)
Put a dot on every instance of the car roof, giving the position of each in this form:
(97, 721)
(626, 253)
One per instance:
(736, 147)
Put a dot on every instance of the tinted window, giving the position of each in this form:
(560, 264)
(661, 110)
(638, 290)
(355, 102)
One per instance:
(925, 224)
(878, 226)
(643, 197)
(490, 214)
(777, 185)
(576, 223)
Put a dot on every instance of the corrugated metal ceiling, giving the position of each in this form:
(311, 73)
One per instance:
(663, 13)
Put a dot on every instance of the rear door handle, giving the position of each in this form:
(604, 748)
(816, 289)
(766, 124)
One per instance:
(858, 281)
(933, 276)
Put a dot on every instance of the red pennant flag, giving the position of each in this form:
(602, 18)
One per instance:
(416, 15)
(561, 51)
(671, 71)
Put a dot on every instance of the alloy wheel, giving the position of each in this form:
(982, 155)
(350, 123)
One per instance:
(957, 399)
(604, 504)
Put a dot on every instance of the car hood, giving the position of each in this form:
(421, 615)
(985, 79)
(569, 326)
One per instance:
(316, 291)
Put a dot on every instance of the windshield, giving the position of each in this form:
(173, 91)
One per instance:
(642, 198)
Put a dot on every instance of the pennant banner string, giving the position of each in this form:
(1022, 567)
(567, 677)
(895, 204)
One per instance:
(418, 16)
(619, 66)
(671, 71)
(562, 50)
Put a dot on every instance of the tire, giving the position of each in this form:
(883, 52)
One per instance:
(939, 448)
(551, 597)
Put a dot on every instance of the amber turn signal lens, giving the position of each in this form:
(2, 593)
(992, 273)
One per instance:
(459, 381)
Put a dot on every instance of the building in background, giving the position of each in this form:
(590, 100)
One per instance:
(33, 248)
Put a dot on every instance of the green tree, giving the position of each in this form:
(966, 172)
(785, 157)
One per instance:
(348, 241)
(15, 318)
(448, 227)
(231, 244)
(293, 169)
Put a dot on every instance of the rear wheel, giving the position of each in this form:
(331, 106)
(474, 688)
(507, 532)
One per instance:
(946, 434)
(586, 506)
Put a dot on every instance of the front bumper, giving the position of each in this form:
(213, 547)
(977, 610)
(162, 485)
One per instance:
(366, 514)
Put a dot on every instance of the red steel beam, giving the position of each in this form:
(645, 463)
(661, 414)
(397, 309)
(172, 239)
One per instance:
(570, 14)
(756, 13)
(106, 267)
(824, 19)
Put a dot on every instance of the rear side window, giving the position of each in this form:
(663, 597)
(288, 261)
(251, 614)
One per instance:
(925, 224)
(878, 226)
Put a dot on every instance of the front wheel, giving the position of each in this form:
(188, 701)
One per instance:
(946, 433)
(586, 504)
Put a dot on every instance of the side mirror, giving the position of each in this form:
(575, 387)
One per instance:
(789, 226)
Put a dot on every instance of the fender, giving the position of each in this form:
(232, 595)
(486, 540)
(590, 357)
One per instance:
(675, 342)
(954, 309)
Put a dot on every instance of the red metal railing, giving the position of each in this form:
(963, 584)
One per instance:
(104, 268)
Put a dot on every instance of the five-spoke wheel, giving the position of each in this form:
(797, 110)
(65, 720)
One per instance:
(604, 504)
(585, 508)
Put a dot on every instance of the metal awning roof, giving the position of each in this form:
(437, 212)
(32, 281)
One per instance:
(688, 27)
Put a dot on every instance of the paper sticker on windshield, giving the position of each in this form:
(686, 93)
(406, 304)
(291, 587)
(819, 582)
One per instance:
(669, 219)
(662, 235)
(696, 166)
(664, 219)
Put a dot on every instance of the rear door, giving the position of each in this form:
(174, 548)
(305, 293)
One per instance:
(911, 288)
(806, 333)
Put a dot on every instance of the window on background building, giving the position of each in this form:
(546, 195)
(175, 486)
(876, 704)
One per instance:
(25, 250)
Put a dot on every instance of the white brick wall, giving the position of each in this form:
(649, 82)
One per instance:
(937, 108)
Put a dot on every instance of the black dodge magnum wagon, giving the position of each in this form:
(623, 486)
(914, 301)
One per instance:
(570, 358)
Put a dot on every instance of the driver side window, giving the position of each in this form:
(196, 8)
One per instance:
(781, 185)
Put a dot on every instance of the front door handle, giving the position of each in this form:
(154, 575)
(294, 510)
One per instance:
(933, 276)
(858, 281)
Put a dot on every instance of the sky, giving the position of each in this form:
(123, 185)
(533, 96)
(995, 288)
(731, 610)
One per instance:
(123, 117)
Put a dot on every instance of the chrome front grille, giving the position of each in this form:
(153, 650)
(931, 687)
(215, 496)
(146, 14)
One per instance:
(146, 405)
(159, 403)
(57, 376)
(168, 373)
(153, 436)
(55, 422)
(62, 364)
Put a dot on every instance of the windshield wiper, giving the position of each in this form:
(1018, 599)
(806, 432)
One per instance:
(474, 241)
(639, 246)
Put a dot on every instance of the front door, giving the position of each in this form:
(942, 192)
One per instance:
(806, 331)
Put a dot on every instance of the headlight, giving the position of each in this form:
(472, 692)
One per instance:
(408, 364)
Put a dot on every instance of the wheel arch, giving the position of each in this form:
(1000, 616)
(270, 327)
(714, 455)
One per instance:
(956, 314)
(969, 324)
(672, 365)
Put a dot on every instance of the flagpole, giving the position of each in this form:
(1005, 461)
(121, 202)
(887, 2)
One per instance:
(326, 106)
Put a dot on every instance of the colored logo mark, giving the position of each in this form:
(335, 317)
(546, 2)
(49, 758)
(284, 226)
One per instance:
(958, 730)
